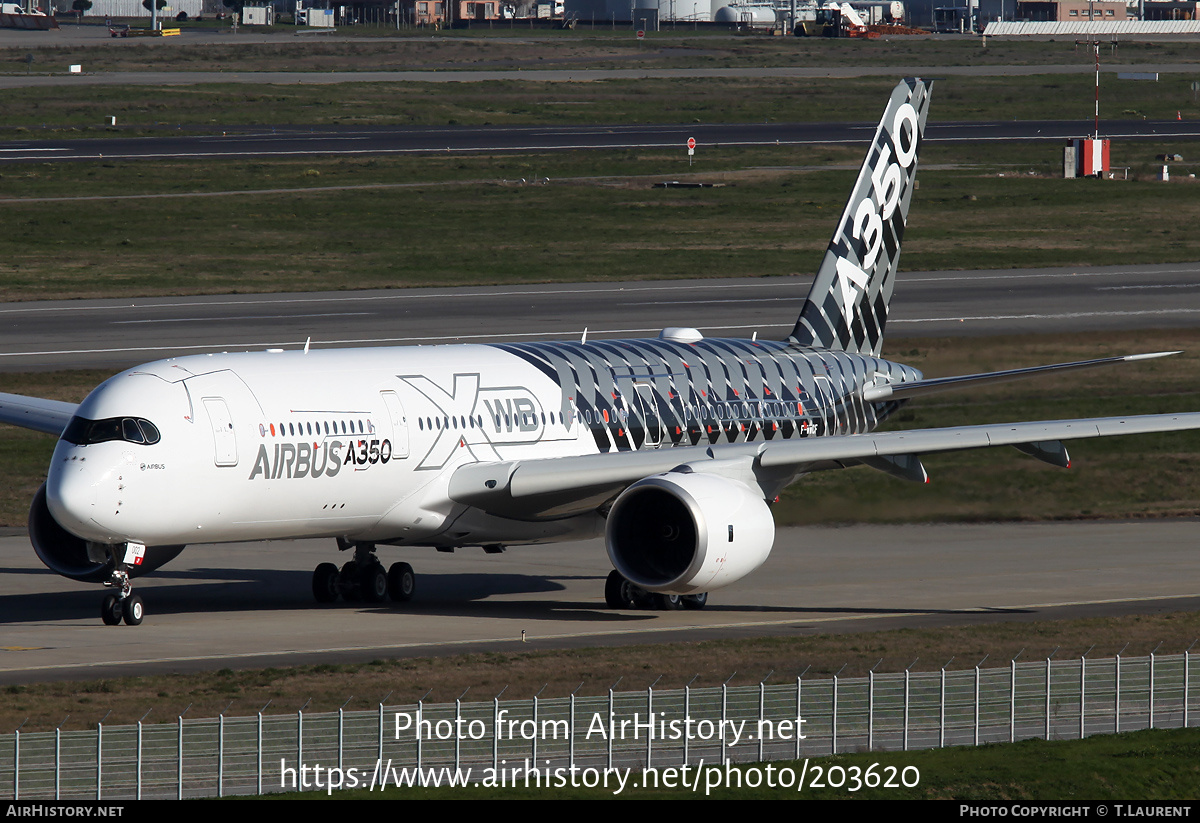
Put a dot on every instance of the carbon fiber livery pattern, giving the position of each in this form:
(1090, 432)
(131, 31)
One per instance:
(847, 308)
(634, 394)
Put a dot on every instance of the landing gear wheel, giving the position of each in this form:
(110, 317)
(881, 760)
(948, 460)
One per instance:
(325, 583)
(374, 584)
(695, 601)
(110, 610)
(348, 582)
(668, 602)
(401, 582)
(133, 610)
(619, 593)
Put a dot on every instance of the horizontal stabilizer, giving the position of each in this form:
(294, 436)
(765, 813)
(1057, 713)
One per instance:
(898, 391)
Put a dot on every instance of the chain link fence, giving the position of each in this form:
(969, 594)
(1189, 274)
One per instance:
(223, 756)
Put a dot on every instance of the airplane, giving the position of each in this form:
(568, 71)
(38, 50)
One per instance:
(671, 447)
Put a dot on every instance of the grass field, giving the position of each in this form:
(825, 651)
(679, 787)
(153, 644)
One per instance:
(234, 226)
(1095, 769)
(84, 111)
(514, 48)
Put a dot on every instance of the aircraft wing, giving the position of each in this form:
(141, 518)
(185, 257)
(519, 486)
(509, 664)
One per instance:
(559, 486)
(49, 416)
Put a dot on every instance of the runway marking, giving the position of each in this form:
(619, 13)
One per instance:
(571, 334)
(790, 620)
(1061, 316)
(243, 317)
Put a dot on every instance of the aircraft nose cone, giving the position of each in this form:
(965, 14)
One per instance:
(72, 486)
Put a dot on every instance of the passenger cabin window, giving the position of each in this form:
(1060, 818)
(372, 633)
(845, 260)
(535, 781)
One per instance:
(84, 432)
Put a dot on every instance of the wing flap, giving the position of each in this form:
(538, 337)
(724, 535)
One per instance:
(567, 485)
(49, 416)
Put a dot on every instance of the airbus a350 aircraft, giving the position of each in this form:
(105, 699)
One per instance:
(672, 447)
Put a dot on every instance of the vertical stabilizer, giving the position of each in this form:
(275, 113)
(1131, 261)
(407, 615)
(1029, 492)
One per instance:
(848, 304)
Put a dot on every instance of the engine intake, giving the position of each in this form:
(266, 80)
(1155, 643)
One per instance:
(66, 554)
(685, 532)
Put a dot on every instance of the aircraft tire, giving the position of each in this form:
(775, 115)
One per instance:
(619, 593)
(695, 601)
(374, 584)
(348, 583)
(110, 610)
(401, 582)
(133, 610)
(325, 583)
(668, 602)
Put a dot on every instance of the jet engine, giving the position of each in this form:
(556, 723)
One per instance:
(66, 554)
(684, 532)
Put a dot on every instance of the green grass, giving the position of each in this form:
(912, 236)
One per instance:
(1150, 765)
(598, 219)
(210, 108)
(507, 48)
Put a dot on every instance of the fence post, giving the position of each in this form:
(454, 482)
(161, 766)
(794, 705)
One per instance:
(258, 751)
(57, 760)
(942, 712)
(762, 715)
(724, 715)
(457, 736)
(221, 755)
(1117, 703)
(341, 733)
(138, 792)
(99, 756)
(871, 710)
(179, 760)
(650, 717)
(977, 704)
(1187, 670)
(799, 716)
(17, 764)
(833, 724)
(1152, 690)
(495, 736)
(299, 740)
(1047, 698)
(571, 747)
(533, 751)
(611, 716)
(904, 744)
(1082, 696)
(687, 712)
(1012, 701)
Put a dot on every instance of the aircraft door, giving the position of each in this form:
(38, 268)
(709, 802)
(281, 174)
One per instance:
(649, 410)
(399, 423)
(224, 437)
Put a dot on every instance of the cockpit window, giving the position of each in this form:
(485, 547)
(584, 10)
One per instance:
(84, 432)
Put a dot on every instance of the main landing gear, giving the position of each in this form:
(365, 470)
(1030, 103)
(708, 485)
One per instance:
(619, 593)
(121, 603)
(363, 579)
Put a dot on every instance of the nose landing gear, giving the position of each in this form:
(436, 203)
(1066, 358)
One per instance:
(122, 603)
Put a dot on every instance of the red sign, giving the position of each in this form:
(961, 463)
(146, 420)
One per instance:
(691, 142)
(641, 33)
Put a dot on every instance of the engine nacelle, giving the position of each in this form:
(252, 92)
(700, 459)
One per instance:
(685, 532)
(66, 554)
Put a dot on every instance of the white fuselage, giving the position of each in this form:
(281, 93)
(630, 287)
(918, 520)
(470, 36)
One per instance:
(361, 443)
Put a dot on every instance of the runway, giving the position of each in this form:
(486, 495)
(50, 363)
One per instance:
(117, 334)
(299, 141)
(250, 605)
